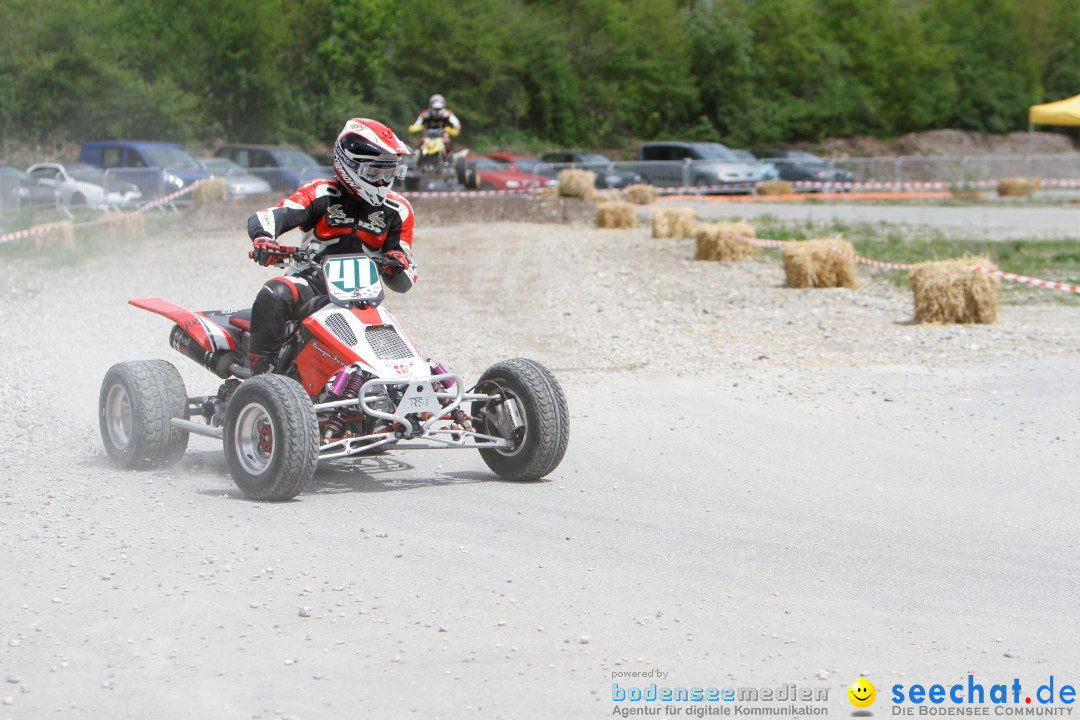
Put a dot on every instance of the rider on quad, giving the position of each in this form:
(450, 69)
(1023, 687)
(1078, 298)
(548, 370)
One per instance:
(437, 118)
(354, 212)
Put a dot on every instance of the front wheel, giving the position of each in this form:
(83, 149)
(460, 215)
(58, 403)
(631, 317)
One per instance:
(136, 406)
(531, 414)
(271, 438)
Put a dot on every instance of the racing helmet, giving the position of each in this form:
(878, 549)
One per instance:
(368, 158)
(437, 102)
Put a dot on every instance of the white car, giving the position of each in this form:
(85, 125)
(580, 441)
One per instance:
(80, 185)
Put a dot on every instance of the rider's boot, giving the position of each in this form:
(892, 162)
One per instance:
(259, 364)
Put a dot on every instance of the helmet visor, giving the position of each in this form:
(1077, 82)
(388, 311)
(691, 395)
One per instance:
(381, 172)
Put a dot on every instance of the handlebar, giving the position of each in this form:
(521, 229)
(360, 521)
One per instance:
(305, 255)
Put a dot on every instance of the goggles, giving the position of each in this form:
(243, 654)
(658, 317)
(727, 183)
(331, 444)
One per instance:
(375, 172)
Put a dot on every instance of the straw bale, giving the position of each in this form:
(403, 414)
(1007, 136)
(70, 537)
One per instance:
(577, 183)
(719, 241)
(208, 191)
(676, 222)
(615, 214)
(775, 187)
(640, 194)
(1017, 186)
(953, 291)
(813, 264)
(58, 235)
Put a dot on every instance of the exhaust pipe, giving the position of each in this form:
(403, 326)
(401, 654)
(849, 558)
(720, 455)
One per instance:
(217, 362)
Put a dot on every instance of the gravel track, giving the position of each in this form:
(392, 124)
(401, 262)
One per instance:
(762, 485)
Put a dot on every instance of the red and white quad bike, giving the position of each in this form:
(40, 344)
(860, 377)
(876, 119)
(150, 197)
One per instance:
(347, 381)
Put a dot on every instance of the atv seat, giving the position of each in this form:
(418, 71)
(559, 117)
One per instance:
(234, 322)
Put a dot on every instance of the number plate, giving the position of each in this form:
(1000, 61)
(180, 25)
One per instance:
(351, 277)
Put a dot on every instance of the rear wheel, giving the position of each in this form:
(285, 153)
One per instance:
(532, 414)
(271, 438)
(137, 403)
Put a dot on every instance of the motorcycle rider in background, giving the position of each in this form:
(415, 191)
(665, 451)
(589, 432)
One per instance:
(354, 212)
(437, 117)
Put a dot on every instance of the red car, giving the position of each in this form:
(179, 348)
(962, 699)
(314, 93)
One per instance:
(502, 171)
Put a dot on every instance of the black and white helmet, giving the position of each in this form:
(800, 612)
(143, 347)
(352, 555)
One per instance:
(368, 158)
(437, 102)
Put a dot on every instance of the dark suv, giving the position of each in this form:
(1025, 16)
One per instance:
(607, 175)
(799, 165)
(284, 168)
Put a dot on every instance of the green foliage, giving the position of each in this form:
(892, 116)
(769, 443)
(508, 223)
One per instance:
(530, 73)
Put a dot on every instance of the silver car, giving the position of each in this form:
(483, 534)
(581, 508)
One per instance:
(238, 181)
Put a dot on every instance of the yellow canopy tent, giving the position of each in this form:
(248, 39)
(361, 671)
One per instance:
(1062, 112)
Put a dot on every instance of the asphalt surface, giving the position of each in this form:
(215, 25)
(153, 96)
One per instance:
(988, 222)
(729, 524)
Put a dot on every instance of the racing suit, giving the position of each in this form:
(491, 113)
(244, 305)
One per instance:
(334, 223)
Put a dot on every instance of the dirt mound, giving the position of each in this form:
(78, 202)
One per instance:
(949, 142)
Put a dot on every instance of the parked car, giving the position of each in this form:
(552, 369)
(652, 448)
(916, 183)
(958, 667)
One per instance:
(607, 175)
(20, 191)
(284, 168)
(697, 164)
(769, 171)
(525, 163)
(80, 185)
(484, 173)
(157, 168)
(799, 165)
(238, 181)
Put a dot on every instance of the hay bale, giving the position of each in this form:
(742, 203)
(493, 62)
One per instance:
(615, 215)
(776, 187)
(640, 194)
(125, 224)
(208, 191)
(58, 235)
(718, 241)
(577, 183)
(813, 264)
(673, 222)
(953, 291)
(599, 196)
(1017, 186)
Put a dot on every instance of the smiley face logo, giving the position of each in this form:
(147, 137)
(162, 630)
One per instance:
(862, 693)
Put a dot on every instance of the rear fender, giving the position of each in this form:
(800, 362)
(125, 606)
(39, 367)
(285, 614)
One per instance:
(207, 334)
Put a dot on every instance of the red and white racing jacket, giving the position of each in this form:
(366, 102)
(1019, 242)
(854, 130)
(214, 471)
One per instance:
(336, 223)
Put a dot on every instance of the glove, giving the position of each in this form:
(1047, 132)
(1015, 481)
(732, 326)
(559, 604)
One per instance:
(267, 252)
(397, 262)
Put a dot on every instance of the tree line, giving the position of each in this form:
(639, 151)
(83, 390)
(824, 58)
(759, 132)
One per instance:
(530, 73)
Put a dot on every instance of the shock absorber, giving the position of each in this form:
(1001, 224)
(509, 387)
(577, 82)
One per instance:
(336, 424)
(459, 418)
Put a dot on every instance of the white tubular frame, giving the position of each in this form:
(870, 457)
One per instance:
(407, 437)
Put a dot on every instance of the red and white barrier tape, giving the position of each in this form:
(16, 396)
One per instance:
(882, 264)
(468, 193)
(40, 229)
(164, 200)
(29, 232)
(1035, 282)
